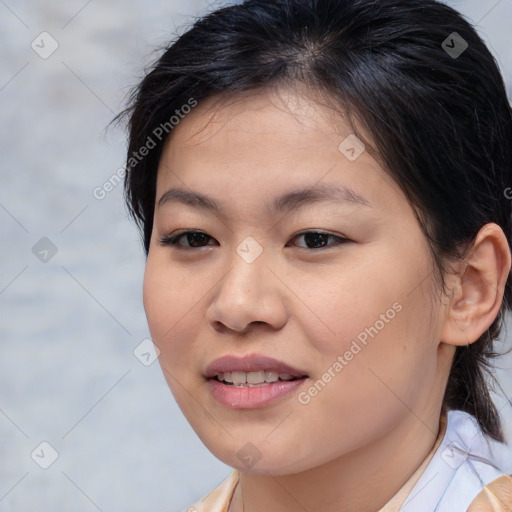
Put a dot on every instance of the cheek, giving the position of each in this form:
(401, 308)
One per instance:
(384, 360)
(170, 315)
(358, 303)
(169, 302)
(379, 322)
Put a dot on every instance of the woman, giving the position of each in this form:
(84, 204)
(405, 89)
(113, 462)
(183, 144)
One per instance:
(320, 187)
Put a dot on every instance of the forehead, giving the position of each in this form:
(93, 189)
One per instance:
(262, 112)
(265, 142)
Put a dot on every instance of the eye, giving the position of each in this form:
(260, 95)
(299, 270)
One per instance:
(319, 238)
(195, 239)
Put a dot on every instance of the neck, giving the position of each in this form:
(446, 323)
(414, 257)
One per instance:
(363, 480)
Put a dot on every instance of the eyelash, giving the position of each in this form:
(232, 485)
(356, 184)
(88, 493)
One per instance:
(172, 240)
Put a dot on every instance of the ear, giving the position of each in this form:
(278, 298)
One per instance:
(477, 287)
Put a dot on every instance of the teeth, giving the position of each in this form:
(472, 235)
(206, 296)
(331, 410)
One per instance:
(253, 378)
(238, 377)
(271, 376)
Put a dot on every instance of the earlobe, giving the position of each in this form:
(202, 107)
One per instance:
(477, 287)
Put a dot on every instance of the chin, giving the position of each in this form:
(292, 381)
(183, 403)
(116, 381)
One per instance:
(249, 458)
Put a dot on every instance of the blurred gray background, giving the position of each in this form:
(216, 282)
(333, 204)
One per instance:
(71, 265)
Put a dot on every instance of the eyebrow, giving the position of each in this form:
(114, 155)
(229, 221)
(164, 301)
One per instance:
(287, 202)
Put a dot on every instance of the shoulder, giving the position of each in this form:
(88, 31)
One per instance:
(464, 473)
(496, 496)
(217, 500)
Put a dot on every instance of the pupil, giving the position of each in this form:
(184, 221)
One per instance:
(200, 237)
(315, 238)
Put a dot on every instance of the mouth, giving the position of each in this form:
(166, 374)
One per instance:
(252, 382)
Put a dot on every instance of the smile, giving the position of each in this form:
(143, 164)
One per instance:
(252, 381)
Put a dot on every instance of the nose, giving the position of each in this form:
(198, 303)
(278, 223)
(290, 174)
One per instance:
(249, 294)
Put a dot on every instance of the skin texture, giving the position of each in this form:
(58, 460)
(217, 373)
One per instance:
(372, 424)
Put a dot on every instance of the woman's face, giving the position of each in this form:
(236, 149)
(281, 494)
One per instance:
(349, 315)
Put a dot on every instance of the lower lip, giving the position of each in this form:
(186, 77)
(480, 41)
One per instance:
(254, 397)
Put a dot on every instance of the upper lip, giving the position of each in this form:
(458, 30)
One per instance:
(250, 363)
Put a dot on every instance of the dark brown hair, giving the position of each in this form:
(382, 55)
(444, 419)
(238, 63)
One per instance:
(419, 79)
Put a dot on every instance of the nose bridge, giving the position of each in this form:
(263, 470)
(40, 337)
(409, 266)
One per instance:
(249, 250)
(246, 275)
